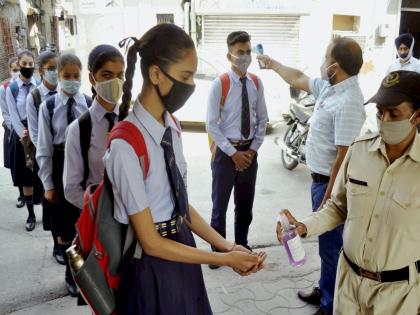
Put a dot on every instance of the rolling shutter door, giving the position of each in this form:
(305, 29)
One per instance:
(278, 33)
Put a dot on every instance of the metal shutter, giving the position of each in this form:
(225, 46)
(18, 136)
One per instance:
(279, 33)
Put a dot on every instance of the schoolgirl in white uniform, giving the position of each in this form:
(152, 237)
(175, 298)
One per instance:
(47, 67)
(165, 277)
(16, 94)
(106, 66)
(13, 67)
(55, 115)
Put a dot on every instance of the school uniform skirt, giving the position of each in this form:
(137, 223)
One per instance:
(21, 175)
(38, 195)
(153, 286)
(6, 146)
(63, 214)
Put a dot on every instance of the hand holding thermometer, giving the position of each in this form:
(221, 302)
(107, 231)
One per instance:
(259, 49)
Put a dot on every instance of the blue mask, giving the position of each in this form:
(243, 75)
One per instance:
(70, 87)
(51, 76)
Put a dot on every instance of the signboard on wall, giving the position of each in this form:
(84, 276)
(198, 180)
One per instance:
(98, 6)
(239, 6)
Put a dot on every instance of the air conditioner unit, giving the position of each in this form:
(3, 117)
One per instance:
(383, 30)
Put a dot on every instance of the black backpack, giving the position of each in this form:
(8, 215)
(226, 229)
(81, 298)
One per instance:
(85, 126)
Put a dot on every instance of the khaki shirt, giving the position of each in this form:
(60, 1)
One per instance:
(379, 204)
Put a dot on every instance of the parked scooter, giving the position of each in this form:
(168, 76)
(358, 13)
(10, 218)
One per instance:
(294, 139)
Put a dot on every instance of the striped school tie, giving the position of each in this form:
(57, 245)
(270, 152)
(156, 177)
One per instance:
(111, 120)
(175, 179)
(70, 114)
(245, 118)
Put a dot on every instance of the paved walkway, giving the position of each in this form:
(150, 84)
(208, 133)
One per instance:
(271, 291)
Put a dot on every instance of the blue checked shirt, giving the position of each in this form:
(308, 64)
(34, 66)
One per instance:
(337, 120)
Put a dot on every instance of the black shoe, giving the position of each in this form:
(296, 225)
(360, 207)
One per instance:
(321, 311)
(58, 257)
(21, 202)
(71, 287)
(213, 267)
(30, 224)
(313, 297)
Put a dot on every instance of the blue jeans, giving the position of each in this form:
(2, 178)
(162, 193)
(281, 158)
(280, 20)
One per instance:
(330, 244)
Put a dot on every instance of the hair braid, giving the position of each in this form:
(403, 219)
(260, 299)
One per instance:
(128, 83)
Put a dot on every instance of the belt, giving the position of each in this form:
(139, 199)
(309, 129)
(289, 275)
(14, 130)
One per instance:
(59, 147)
(319, 178)
(169, 227)
(240, 143)
(384, 276)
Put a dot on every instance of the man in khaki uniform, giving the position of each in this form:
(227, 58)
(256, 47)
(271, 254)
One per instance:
(377, 196)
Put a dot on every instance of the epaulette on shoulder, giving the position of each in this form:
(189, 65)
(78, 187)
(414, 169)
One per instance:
(366, 137)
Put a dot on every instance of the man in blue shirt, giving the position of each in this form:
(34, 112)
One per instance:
(337, 120)
(236, 123)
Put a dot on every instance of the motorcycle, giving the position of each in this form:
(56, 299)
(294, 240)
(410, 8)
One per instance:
(293, 143)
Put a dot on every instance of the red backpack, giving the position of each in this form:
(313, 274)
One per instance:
(101, 239)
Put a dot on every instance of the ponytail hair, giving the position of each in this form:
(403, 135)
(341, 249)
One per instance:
(162, 45)
(99, 56)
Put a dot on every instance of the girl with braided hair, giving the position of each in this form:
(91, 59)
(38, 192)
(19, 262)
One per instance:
(161, 273)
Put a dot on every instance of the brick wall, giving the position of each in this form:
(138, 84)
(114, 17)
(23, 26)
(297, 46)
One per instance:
(7, 50)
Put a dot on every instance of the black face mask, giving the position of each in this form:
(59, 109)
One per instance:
(27, 72)
(177, 96)
(403, 56)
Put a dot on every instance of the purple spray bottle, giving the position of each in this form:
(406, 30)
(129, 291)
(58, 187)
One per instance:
(292, 242)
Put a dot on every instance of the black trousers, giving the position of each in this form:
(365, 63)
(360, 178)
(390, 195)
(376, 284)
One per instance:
(226, 178)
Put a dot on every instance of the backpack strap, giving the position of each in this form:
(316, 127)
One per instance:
(88, 100)
(14, 88)
(225, 80)
(85, 130)
(5, 83)
(50, 106)
(36, 95)
(255, 80)
(127, 131)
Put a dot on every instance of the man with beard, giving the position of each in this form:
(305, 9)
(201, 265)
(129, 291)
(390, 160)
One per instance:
(405, 61)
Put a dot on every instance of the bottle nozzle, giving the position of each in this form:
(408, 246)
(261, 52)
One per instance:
(283, 220)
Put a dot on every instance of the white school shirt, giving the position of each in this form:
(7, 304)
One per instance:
(133, 193)
(32, 113)
(17, 109)
(224, 124)
(4, 109)
(73, 162)
(46, 140)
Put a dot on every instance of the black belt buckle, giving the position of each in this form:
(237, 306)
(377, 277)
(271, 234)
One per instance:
(370, 275)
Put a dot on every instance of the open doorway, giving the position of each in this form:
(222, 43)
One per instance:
(410, 22)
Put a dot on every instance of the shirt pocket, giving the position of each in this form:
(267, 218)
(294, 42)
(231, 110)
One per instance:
(404, 214)
(357, 200)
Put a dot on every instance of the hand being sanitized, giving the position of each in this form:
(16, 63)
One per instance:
(291, 241)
